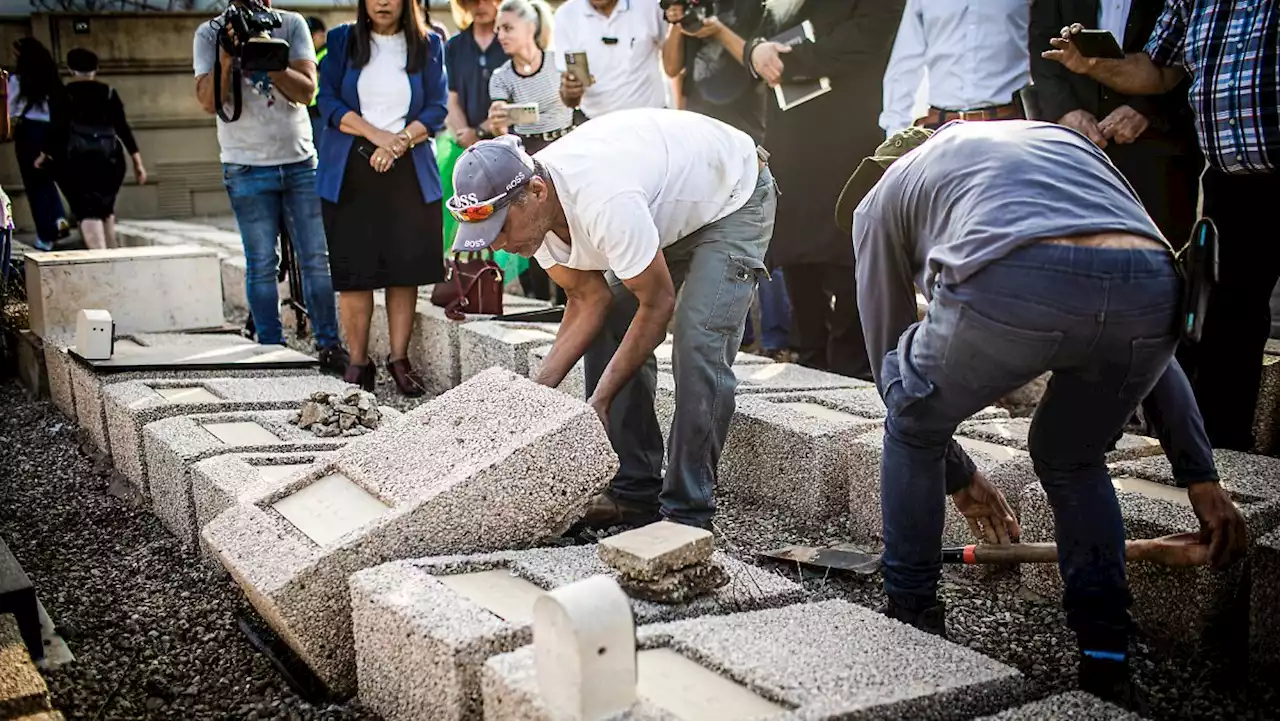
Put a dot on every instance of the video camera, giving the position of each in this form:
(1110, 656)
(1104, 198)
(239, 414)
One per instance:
(695, 12)
(244, 33)
(247, 35)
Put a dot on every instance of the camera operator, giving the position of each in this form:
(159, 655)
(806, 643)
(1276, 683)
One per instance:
(269, 162)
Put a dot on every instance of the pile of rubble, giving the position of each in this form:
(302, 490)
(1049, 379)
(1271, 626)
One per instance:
(664, 562)
(351, 413)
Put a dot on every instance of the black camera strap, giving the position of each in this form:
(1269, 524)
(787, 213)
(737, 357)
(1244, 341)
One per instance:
(236, 101)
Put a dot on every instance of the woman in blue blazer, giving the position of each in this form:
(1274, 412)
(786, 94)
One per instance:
(383, 95)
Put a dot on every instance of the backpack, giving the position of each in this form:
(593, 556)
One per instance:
(89, 140)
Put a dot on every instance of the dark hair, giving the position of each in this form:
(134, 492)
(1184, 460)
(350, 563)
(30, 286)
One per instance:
(411, 23)
(80, 60)
(315, 24)
(37, 72)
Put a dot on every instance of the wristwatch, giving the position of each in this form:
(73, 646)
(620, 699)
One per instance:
(483, 134)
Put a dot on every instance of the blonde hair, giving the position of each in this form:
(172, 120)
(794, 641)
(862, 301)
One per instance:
(533, 11)
(461, 17)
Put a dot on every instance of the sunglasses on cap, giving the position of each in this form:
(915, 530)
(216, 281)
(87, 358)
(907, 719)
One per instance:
(466, 210)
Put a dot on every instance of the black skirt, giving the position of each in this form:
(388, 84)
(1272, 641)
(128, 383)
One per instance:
(91, 184)
(381, 233)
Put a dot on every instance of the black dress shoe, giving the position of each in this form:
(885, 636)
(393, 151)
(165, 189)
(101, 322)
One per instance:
(334, 360)
(930, 620)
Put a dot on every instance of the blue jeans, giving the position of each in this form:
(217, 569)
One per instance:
(718, 267)
(42, 193)
(1103, 321)
(260, 197)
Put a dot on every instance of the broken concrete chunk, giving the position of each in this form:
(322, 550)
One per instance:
(649, 553)
(679, 586)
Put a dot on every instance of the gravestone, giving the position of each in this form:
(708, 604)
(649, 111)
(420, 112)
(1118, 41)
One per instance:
(173, 445)
(498, 343)
(585, 650)
(1196, 609)
(1267, 411)
(131, 405)
(1073, 705)
(1264, 606)
(434, 346)
(23, 692)
(220, 482)
(497, 463)
(1008, 468)
(574, 384)
(147, 290)
(1015, 432)
(176, 349)
(424, 628)
(57, 363)
(818, 662)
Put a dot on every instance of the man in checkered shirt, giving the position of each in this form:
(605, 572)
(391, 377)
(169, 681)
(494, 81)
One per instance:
(1229, 49)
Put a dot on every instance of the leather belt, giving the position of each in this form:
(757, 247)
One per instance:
(938, 116)
(551, 136)
(1114, 241)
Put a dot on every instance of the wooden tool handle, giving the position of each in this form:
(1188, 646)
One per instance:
(1182, 549)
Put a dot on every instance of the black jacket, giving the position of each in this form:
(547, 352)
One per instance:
(1060, 91)
(816, 146)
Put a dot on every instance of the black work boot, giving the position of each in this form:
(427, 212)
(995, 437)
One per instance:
(605, 511)
(930, 620)
(1110, 680)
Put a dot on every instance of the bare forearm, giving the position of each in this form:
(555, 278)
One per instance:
(733, 44)
(353, 124)
(673, 52)
(1136, 74)
(204, 89)
(417, 132)
(648, 330)
(582, 322)
(294, 84)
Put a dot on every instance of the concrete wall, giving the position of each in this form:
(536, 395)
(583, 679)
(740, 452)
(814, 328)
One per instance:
(147, 57)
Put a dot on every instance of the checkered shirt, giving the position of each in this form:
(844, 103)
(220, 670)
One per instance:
(1231, 50)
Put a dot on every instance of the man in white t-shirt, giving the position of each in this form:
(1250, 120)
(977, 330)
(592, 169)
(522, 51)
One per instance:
(624, 212)
(622, 40)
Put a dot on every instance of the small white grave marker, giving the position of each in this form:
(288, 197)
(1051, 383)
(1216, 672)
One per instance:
(330, 508)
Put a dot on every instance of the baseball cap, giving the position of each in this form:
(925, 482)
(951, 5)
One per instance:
(871, 169)
(484, 182)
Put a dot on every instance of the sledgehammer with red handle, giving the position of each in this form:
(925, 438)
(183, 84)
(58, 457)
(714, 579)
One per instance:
(1180, 549)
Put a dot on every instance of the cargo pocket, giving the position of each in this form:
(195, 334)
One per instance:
(733, 297)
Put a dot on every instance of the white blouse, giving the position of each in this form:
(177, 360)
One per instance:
(383, 86)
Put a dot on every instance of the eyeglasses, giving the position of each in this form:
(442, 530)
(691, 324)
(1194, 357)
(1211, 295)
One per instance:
(475, 212)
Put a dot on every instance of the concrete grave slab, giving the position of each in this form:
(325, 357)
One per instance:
(574, 384)
(154, 289)
(434, 343)
(22, 688)
(173, 445)
(88, 383)
(31, 364)
(1015, 431)
(498, 463)
(131, 405)
(424, 628)
(791, 453)
(1007, 467)
(57, 365)
(650, 552)
(756, 378)
(220, 482)
(819, 662)
(1267, 412)
(1074, 705)
(1192, 609)
(1264, 606)
(498, 343)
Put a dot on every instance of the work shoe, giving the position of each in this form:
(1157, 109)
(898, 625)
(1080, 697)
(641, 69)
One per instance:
(365, 376)
(1111, 680)
(930, 620)
(605, 511)
(335, 360)
(407, 379)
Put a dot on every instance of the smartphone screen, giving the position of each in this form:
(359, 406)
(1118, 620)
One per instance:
(1098, 44)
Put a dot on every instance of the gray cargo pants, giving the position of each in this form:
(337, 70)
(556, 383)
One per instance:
(715, 270)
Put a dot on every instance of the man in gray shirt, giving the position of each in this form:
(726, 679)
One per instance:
(269, 169)
(1036, 255)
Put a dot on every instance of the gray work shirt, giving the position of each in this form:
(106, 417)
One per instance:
(272, 130)
(970, 195)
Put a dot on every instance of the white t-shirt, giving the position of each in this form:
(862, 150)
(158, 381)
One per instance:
(18, 106)
(636, 181)
(626, 68)
(383, 86)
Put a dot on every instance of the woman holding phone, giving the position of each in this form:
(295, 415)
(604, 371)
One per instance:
(528, 80)
(382, 97)
(525, 96)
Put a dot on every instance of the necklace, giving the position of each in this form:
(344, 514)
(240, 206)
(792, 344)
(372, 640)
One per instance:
(526, 66)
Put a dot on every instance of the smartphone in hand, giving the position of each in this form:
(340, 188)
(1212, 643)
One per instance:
(522, 113)
(576, 67)
(1098, 44)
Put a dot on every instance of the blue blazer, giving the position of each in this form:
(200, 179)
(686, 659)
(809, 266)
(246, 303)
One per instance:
(338, 96)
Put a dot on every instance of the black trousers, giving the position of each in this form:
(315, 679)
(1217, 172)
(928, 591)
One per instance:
(1225, 367)
(825, 335)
